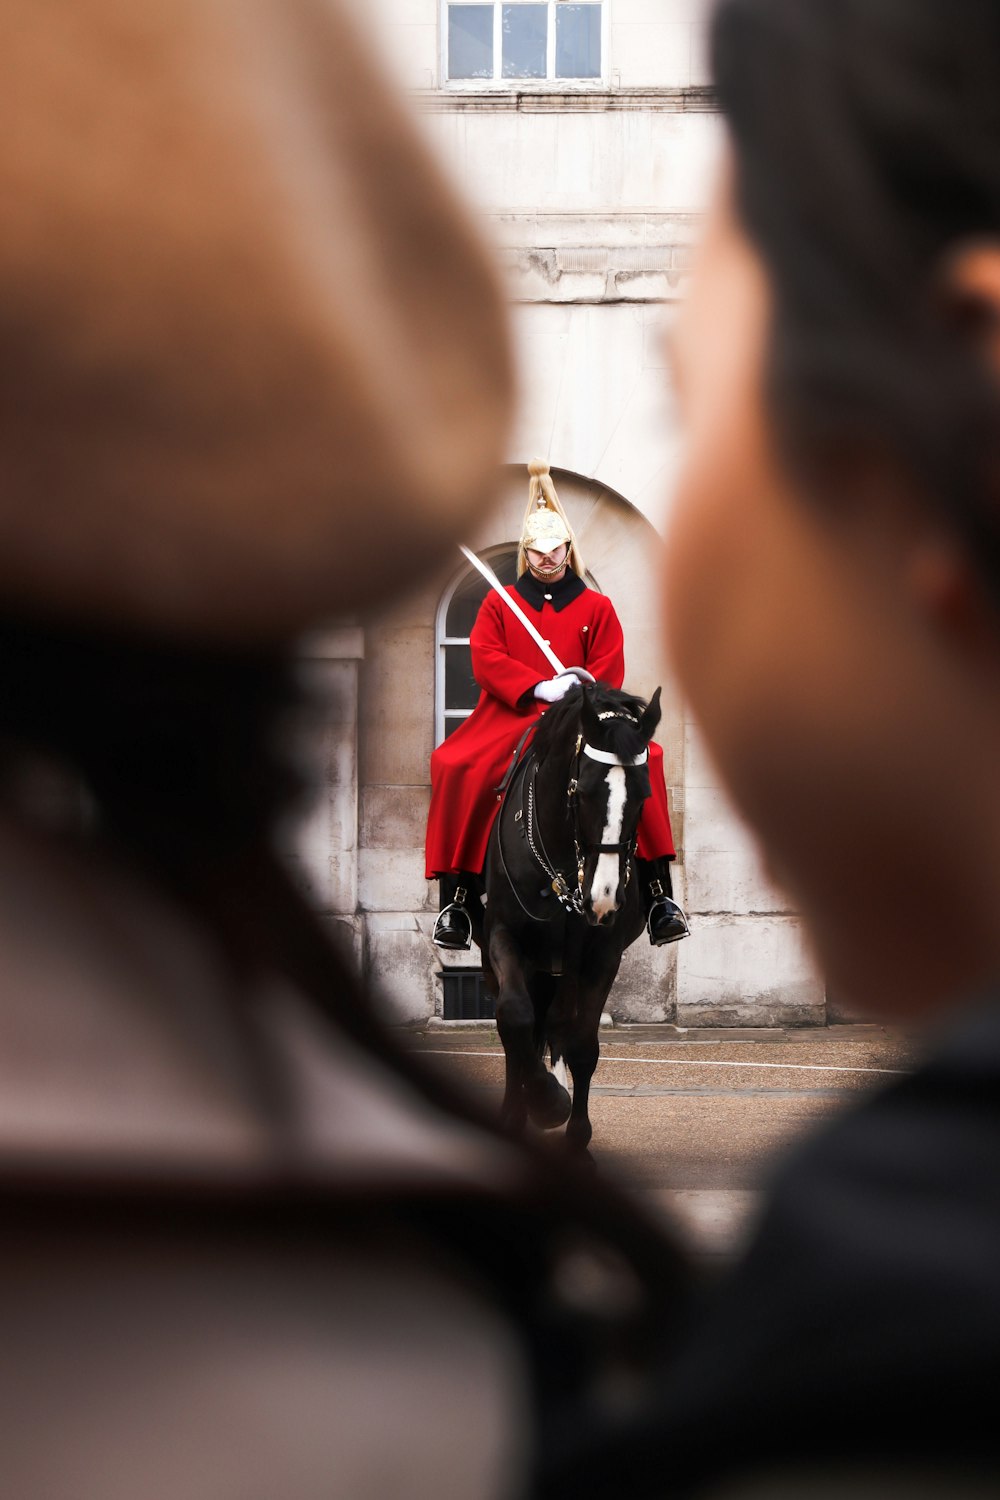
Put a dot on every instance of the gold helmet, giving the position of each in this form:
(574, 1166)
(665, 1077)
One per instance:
(545, 523)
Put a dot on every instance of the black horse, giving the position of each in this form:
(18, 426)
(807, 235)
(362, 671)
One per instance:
(562, 897)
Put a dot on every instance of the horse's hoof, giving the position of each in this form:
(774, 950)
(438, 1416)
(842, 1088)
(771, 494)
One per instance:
(549, 1104)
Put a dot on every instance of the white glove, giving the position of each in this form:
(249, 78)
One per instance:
(555, 688)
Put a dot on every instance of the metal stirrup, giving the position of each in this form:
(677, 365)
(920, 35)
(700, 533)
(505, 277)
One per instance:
(660, 898)
(456, 905)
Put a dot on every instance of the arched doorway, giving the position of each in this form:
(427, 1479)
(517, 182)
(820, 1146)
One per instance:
(417, 684)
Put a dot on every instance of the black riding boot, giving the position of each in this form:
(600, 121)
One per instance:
(453, 928)
(665, 921)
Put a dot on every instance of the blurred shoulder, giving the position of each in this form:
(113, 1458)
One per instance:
(127, 1033)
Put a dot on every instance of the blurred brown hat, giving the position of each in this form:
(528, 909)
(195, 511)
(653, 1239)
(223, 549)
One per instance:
(253, 362)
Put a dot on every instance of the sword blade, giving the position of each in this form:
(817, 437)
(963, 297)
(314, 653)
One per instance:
(515, 608)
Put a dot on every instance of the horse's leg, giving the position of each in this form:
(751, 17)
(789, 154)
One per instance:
(583, 1049)
(513, 1012)
(530, 1087)
(563, 994)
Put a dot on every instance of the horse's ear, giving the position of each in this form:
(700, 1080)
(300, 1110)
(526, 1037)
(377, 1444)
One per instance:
(589, 722)
(650, 717)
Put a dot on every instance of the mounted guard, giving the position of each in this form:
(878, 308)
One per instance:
(520, 677)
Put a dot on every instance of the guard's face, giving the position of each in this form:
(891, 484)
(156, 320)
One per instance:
(548, 565)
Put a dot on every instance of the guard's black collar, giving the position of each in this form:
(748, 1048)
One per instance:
(559, 594)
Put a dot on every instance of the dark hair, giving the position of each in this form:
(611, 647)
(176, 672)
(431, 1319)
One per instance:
(182, 750)
(866, 135)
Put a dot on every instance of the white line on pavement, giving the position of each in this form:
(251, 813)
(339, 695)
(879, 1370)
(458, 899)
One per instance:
(693, 1062)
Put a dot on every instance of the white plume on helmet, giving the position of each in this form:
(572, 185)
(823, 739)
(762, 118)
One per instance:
(545, 522)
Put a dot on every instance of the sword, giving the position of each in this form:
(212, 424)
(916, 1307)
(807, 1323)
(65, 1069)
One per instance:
(515, 608)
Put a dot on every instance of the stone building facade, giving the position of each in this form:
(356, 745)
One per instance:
(592, 188)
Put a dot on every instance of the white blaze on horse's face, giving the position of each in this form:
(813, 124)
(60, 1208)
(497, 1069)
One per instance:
(604, 886)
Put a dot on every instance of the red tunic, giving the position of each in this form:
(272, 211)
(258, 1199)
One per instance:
(507, 665)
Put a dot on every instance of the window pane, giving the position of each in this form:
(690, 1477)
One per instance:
(470, 594)
(504, 566)
(464, 607)
(578, 41)
(470, 41)
(525, 28)
(460, 690)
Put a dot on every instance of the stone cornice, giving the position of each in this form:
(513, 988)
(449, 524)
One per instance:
(543, 276)
(341, 642)
(596, 273)
(494, 100)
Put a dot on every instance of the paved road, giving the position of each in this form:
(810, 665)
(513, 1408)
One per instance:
(695, 1120)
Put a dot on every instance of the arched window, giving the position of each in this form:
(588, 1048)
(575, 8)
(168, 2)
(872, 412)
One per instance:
(455, 691)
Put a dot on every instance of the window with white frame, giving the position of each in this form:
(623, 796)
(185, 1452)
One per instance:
(456, 690)
(510, 41)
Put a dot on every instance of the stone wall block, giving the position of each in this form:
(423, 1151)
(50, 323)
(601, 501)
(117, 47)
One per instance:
(347, 934)
(457, 958)
(337, 815)
(700, 768)
(654, 12)
(394, 817)
(397, 967)
(324, 844)
(653, 50)
(641, 286)
(511, 162)
(747, 971)
(326, 874)
(725, 872)
(392, 880)
(398, 722)
(646, 987)
(341, 756)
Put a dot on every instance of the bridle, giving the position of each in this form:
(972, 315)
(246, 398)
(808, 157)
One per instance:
(571, 897)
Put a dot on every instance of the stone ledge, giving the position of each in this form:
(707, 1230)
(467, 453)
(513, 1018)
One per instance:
(595, 273)
(602, 100)
(587, 229)
(438, 1024)
(753, 1015)
(667, 1033)
(338, 643)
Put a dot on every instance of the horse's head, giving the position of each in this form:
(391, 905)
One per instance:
(609, 782)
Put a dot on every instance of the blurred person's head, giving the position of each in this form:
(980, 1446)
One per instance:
(246, 325)
(833, 588)
(255, 377)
